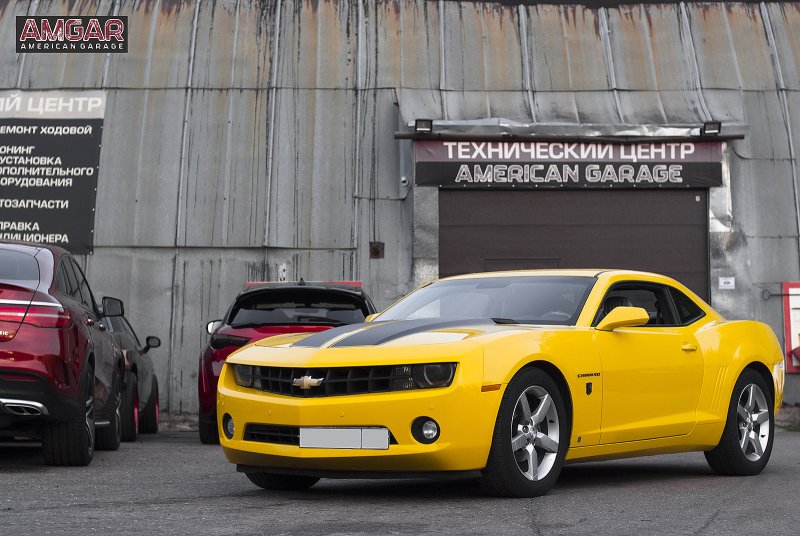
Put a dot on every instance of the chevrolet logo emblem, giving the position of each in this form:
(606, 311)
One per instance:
(307, 382)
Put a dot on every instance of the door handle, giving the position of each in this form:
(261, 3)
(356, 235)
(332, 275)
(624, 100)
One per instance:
(689, 347)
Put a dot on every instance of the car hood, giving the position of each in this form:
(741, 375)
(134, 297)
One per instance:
(406, 341)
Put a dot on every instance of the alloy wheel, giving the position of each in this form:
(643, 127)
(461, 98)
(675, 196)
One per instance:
(535, 433)
(753, 422)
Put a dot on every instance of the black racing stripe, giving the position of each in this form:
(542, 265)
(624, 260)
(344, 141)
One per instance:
(383, 332)
(318, 339)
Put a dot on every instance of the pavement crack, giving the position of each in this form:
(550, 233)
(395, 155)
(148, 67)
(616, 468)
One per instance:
(708, 522)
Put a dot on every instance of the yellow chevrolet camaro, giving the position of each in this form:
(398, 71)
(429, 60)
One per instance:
(506, 376)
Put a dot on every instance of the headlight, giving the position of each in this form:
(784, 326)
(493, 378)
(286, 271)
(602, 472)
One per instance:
(433, 374)
(243, 375)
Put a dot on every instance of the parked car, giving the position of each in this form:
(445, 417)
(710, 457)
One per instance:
(60, 370)
(267, 309)
(506, 376)
(140, 407)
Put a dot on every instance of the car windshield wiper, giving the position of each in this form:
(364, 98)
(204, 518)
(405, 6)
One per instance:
(497, 320)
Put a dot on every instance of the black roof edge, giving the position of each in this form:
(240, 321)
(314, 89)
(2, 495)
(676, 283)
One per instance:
(453, 136)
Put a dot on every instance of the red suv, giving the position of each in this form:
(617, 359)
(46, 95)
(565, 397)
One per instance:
(60, 370)
(266, 309)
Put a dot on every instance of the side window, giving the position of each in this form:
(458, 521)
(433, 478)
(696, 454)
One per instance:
(86, 293)
(129, 330)
(652, 298)
(62, 283)
(688, 311)
(73, 289)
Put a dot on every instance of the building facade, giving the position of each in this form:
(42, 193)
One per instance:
(253, 140)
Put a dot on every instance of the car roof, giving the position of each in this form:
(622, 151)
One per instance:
(30, 248)
(266, 288)
(562, 272)
(530, 273)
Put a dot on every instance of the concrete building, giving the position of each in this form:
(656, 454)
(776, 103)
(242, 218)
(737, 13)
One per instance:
(244, 140)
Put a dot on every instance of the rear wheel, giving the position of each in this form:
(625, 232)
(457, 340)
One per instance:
(746, 442)
(530, 439)
(281, 482)
(109, 437)
(130, 408)
(209, 433)
(148, 420)
(72, 442)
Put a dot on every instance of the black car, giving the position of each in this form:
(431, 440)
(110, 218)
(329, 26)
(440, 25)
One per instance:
(140, 406)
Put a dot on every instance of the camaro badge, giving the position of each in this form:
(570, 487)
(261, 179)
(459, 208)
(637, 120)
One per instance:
(307, 382)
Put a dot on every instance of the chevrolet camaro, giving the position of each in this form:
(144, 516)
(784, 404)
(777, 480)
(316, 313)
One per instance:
(506, 376)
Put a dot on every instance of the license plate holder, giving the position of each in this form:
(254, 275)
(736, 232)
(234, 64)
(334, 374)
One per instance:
(366, 438)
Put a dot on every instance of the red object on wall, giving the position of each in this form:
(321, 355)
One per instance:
(791, 326)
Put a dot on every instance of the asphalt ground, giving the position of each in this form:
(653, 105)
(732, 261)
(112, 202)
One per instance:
(171, 484)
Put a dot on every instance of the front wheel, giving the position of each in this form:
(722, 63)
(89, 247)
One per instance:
(746, 442)
(281, 482)
(151, 414)
(130, 408)
(109, 437)
(530, 440)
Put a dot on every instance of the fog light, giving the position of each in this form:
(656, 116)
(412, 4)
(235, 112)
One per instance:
(425, 430)
(430, 430)
(227, 426)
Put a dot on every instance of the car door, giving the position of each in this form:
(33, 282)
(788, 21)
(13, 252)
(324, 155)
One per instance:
(652, 374)
(105, 351)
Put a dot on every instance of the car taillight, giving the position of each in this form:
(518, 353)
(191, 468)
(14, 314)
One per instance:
(48, 317)
(12, 313)
(222, 341)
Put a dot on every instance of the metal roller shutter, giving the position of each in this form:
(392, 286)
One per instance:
(664, 231)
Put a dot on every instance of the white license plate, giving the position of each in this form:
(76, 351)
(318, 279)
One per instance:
(344, 438)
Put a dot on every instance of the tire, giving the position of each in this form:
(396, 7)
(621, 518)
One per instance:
(130, 407)
(148, 420)
(525, 459)
(72, 442)
(209, 433)
(281, 482)
(750, 421)
(109, 437)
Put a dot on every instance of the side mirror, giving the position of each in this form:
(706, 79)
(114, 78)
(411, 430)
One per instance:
(151, 342)
(213, 326)
(113, 307)
(624, 317)
(370, 318)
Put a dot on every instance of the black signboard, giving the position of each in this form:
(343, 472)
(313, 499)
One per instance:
(49, 163)
(549, 164)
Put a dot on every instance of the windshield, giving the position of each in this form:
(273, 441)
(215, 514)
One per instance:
(553, 300)
(297, 306)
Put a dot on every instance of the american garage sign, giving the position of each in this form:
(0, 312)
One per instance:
(561, 164)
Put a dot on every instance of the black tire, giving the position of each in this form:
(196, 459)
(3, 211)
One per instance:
(130, 407)
(281, 482)
(109, 437)
(505, 470)
(209, 433)
(151, 414)
(72, 442)
(729, 457)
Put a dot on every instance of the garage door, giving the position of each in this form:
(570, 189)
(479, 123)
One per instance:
(664, 231)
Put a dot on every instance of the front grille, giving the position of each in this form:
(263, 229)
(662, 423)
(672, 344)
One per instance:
(270, 433)
(336, 381)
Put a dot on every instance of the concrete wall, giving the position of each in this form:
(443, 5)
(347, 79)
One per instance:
(242, 135)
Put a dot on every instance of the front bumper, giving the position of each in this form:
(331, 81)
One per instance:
(466, 417)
